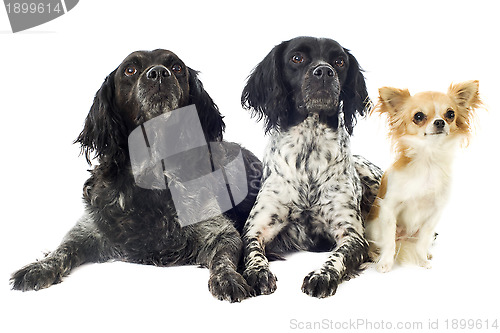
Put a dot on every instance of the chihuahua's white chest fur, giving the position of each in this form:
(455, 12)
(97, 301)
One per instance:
(418, 192)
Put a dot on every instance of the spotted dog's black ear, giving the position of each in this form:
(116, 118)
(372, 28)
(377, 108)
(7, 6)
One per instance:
(265, 93)
(208, 112)
(104, 132)
(353, 95)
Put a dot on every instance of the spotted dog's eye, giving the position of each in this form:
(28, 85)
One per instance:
(177, 68)
(419, 117)
(130, 70)
(297, 58)
(450, 114)
(339, 62)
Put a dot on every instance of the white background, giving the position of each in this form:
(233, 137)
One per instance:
(49, 75)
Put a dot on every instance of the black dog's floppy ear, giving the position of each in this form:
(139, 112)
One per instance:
(265, 93)
(208, 112)
(103, 132)
(354, 96)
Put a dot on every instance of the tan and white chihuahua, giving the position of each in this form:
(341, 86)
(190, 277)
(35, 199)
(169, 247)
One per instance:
(425, 130)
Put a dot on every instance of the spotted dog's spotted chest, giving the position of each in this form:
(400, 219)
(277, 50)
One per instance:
(310, 157)
(310, 200)
(308, 168)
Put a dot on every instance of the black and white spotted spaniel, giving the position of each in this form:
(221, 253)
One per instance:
(314, 193)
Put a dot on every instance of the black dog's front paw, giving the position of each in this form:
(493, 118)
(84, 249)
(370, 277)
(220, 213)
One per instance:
(35, 276)
(320, 284)
(229, 286)
(261, 281)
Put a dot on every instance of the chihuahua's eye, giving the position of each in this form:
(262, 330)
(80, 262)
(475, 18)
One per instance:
(297, 58)
(177, 68)
(450, 114)
(130, 70)
(339, 62)
(419, 117)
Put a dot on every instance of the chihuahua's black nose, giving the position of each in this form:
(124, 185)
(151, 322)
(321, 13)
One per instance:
(323, 71)
(439, 123)
(157, 73)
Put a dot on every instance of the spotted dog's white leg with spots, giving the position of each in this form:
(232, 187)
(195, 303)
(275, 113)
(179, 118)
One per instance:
(370, 176)
(345, 226)
(266, 220)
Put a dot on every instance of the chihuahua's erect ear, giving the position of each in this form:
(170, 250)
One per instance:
(465, 94)
(391, 99)
(466, 97)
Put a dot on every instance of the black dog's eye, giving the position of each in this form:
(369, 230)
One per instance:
(419, 117)
(297, 58)
(177, 68)
(339, 62)
(130, 70)
(450, 114)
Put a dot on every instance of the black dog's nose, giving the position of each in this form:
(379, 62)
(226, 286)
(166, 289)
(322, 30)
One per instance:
(323, 71)
(439, 123)
(157, 73)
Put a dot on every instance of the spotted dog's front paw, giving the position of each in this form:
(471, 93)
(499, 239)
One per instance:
(229, 286)
(36, 276)
(261, 281)
(320, 284)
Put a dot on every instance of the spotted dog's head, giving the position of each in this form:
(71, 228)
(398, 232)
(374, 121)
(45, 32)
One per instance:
(306, 75)
(145, 85)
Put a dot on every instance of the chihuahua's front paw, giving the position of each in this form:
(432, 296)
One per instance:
(425, 264)
(384, 265)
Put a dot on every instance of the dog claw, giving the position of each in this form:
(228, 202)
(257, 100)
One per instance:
(320, 284)
(261, 281)
(229, 286)
(35, 276)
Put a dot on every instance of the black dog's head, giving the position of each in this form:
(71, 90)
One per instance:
(145, 85)
(306, 75)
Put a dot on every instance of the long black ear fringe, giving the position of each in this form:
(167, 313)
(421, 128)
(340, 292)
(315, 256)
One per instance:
(104, 132)
(265, 93)
(354, 97)
(210, 117)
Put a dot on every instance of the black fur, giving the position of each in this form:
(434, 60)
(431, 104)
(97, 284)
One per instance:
(274, 83)
(129, 223)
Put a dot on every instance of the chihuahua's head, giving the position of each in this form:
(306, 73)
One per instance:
(430, 115)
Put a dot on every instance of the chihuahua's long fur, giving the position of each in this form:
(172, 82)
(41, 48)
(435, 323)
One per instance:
(425, 130)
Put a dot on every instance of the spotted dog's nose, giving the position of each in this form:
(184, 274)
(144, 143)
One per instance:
(323, 71)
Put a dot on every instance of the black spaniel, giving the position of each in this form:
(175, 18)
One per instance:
(314, 192)
(125, 221)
